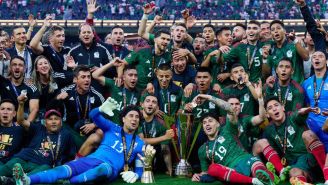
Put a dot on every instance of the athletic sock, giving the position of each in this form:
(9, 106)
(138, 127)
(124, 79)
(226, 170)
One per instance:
(272, 156)
(260, 166)
(229, 175)
(103, 170)
(51, 176)
(318, 150)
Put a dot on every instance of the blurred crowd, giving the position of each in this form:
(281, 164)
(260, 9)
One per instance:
(132, 9)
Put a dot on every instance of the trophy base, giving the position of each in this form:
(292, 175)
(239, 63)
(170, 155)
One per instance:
(183, 169)
(147, 177)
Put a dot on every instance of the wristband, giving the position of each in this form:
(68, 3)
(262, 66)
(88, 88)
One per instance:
(145, 16)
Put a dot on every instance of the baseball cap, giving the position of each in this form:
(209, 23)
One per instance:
(51, 112)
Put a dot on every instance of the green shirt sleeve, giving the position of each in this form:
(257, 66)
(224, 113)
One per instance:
(151, 39)
(298, 118)
(232, 56)
(231, 128)
(110, 83)
(132, 58)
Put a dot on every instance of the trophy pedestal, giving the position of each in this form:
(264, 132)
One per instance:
(147, 177)
(183, 168)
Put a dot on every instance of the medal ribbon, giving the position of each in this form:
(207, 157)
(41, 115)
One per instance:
(127, 155)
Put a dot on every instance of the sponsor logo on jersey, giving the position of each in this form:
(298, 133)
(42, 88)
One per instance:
(325, 87)
(72, 99)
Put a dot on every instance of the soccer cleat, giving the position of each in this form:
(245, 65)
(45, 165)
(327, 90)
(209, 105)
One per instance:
(256, 181)
(20, 177)
(264, 177)
(284, 173)
(271, 169)
(296, 181)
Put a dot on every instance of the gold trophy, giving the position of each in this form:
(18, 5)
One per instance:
(185, 129)
(149, 153)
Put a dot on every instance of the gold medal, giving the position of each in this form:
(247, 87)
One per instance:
(126, 167)
(283, 161)
(317, 110)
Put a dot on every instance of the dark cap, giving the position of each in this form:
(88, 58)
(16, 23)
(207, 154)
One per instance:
(51, 112)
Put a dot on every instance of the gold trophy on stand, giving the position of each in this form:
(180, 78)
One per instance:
(149, 153)
(185, 129)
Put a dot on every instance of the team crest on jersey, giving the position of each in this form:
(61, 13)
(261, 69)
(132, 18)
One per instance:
(289, 54)
(246, 97)
(173, 98)
(147, 62)
(290, 97)
(261, 50)
(8, 88)
(134, 101)
(96, 55)
(72, 99)
(92, 100)
(241, 129)
(80, 55)
(211, 105)
(275, 94)
(221, 139)
(290, 130)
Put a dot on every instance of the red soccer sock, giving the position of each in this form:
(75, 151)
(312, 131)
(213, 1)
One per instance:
(260, 166)
(272, 156)
(226, 174)
(318, 150)
(301, 178)
(325, 172)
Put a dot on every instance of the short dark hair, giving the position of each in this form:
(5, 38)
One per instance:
(240, 25)
(220, 30)
(208, 26)
(79, 68)
(17, 57)
(162, 31)
(206, 115)
(8, 101)
(181, 24)
(116, 26)
(277, 22)
(55, 28)
(16, 27)
(128, 109)
(226, 98)
(255, 22)
(286, 59)
(129, 67)
(164, 67)
(234, 65)
(203, 70)
(270, 98)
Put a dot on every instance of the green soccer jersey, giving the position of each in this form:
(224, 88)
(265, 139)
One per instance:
(250, 57)
(123, 96)
(288, 50)
(294, 126)
(227, 152)
(247, 101)
(169, 101)
(292, 96)
(200, 110)
(146, 62)
(247, 133)
(217, 68)
(152, 129)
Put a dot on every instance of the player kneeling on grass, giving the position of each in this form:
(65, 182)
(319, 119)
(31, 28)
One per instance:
(221, 156)
(118, 149)
(287, 134)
